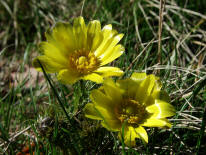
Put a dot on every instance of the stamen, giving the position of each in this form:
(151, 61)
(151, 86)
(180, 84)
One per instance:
(83, 61)
(131, 111)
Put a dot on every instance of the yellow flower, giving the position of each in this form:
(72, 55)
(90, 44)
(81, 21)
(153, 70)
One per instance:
(131, 104)
(79, 51)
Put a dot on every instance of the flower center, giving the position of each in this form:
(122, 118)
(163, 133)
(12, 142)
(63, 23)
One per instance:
(84, 62)
(131, 111)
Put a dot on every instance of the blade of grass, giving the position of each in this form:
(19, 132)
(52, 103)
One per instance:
(203, 124)
(4, 134)
(196, 91)
(60, 102)
(55, 92)
(122, 138)
(202, 131)
(162, 3)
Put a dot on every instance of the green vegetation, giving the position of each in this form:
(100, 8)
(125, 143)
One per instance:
(31, 114)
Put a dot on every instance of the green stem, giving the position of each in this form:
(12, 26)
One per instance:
(55, 92)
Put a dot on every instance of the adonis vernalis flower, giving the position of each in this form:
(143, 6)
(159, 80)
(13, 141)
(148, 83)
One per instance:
(134, 103)
(80, 51)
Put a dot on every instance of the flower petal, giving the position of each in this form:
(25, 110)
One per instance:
(94, 36)
(100, 99)
(98, 112)
(48, 64)
(161, 109)
(110, 47)
(93, 77)
(142, 133)
(145, 89)
(112, 125)
(68, 77)
(53, 53)
(116, 52)
(105, 114)
(107, 29)
(108, 35)
(139, 77)
(105, 106)
(157, 94)
(80, 33)
(131, 133)
(112, 90)
(130, 87)
(62, 37)
(91, 112)
(154, 122)
(109, 71)
(98, 38)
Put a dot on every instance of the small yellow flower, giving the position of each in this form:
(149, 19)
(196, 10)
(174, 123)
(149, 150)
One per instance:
(79, 51)
(134, 103)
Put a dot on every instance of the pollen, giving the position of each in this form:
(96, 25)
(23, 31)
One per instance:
(131, 111)
(83, 61)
